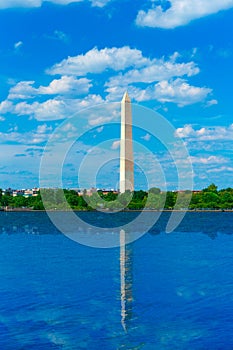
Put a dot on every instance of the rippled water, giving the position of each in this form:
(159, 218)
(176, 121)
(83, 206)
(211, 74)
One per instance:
(164, 291)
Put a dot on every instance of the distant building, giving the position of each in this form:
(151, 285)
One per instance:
(22, 192)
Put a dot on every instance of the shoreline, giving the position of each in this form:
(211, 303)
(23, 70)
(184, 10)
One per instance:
(19, 210)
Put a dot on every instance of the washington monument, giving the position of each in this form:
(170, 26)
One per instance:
(126, 146)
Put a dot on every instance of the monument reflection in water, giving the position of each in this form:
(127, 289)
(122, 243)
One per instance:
(126, 271)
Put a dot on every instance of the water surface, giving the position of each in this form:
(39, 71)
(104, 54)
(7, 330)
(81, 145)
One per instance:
(164, 291)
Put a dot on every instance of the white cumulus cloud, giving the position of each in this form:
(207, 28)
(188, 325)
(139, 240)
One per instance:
(177, 91)
(22, 90)
(161, 79)
(18, 44)
(55, 109)
(180, 92)
(221, 169)
(40, 135)
(116, 144)
(146, 137)
(208, 160)
(100, 3)
(4, 4)
(6, 107)
(155, 70)
(97, 61)
(211, 103)
(43, 128)
(66, 85)
(180, 12)
(222, 133)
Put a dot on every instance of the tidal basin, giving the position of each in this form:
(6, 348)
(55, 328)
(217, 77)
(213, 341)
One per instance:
(163, 291)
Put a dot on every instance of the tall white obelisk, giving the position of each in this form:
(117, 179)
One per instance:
(126, 146)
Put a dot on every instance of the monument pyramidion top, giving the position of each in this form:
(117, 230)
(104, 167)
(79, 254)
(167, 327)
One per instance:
(126, 97)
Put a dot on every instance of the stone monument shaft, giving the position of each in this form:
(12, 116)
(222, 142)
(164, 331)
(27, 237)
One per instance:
(126, 146)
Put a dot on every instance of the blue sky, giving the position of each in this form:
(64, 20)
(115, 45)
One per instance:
(59, 57)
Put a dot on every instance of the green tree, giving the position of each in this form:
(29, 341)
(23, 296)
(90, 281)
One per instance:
(154, 201)
(170, 200)
(6, 200)
(110, 196)
(211, 188)
(154, 190)
(183, 200)
(125, 198)
(139, 195)
(20, 202)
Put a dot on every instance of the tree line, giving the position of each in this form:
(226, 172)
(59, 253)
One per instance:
(155, 199)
